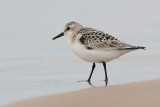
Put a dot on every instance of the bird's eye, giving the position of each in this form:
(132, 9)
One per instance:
(68, 28)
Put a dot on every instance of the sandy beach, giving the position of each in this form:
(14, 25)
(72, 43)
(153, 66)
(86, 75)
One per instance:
(140, 94)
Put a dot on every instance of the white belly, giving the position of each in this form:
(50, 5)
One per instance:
(97, 56)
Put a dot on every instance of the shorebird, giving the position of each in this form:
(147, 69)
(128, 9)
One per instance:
(94, 46)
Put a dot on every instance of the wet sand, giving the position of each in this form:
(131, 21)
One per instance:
(140, 94)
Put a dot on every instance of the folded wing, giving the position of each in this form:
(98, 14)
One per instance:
(98, 40)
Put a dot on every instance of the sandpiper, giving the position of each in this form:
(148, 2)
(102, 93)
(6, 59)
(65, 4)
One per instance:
(94, 46)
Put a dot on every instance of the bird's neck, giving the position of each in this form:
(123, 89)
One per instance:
(72, 36)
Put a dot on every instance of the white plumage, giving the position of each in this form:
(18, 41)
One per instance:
(97, 56)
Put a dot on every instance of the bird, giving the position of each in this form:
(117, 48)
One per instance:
(94, 46)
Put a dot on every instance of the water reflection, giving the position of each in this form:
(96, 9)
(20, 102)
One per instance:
(93, 84)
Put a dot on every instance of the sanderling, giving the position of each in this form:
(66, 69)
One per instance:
(94, 46)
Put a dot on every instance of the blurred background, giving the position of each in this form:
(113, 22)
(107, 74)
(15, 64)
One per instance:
(31, 64)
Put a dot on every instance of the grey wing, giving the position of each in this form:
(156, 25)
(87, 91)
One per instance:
(94, 39)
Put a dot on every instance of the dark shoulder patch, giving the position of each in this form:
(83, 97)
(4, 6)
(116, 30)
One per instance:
(82, 39)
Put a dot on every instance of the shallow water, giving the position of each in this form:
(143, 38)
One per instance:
(31, 64)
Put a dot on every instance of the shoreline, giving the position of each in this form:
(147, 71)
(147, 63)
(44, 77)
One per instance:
(139, 94)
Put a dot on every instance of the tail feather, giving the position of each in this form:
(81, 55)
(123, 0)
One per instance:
(134, 47)
(140, 47)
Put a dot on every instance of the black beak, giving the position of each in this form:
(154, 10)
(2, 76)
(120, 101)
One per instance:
(61, 34)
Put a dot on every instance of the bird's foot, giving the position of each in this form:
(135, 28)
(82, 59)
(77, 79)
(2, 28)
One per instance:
(106, 81)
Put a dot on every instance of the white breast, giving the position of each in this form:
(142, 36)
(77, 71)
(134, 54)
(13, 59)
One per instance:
(97, 56)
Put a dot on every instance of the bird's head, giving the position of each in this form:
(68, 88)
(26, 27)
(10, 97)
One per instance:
(70, 29)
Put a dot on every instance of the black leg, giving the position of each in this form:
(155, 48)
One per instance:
(93, 66)
(105, 70)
